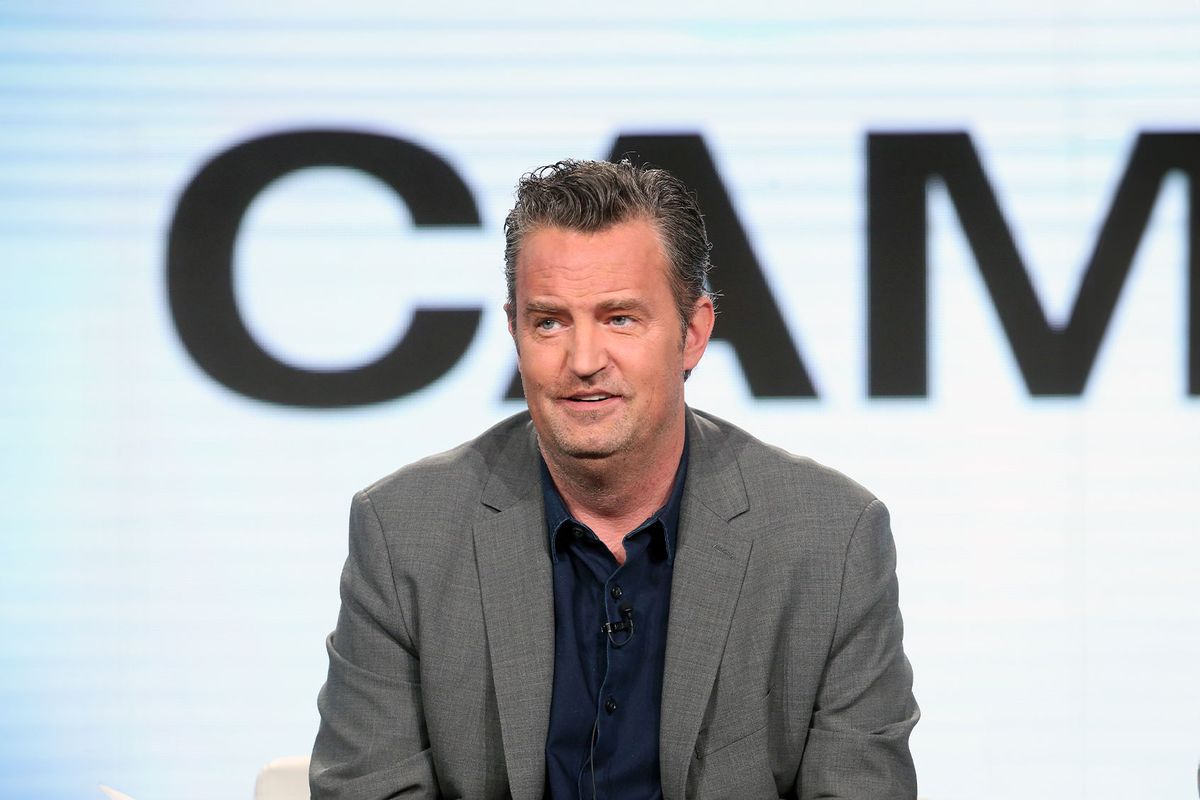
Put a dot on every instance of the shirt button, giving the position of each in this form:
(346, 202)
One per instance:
(577, 531)
(616, 592)
(610, 705)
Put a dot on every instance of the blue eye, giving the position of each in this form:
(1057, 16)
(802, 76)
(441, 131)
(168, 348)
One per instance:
(621, 321)
(546, 324)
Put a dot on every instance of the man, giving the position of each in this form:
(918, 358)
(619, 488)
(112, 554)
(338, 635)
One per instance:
(612, 595)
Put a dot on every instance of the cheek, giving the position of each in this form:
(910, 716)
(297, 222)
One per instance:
(537, 362)
(655, 372)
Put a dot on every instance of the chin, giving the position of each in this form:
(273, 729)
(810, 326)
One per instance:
(583, 448)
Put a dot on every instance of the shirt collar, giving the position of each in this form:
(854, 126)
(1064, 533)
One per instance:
(558, 518)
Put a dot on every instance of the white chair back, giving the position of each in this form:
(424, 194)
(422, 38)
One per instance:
(283, 779)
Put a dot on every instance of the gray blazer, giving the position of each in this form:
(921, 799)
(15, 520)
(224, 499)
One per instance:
(784, 675)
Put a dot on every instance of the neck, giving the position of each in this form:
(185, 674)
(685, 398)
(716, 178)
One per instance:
(613, 495)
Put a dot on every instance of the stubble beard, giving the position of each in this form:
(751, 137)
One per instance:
(598, 441)
(624, 440)
(582, 446)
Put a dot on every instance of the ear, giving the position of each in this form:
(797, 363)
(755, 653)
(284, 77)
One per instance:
(698, 332)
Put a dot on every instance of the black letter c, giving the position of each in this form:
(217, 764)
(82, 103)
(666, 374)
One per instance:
(200, 252)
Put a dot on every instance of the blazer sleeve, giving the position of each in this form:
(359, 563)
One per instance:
(372, 742)
(858, 743)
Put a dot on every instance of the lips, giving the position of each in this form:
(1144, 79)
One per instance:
(592, 399)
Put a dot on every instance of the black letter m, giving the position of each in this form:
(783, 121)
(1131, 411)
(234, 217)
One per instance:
(1053, 360)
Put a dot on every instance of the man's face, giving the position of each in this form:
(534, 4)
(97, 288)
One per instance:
(598, 340)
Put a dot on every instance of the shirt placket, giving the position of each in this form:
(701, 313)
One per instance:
(617, 664)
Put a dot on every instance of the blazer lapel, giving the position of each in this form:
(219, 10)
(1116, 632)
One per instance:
(710, 565)
(518, 606)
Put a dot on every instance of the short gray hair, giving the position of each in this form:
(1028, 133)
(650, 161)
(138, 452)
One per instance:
(589, 196)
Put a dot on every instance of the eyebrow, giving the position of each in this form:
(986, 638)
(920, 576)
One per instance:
(535, 307)
(622, 304)
(613, 304)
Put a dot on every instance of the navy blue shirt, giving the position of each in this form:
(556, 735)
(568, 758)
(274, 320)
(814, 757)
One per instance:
(610, 636)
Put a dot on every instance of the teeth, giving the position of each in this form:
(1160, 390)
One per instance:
(591, 398)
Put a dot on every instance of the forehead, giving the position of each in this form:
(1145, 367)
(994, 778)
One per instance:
(627, 255)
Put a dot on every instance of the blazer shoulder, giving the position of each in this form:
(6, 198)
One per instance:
(450, 481)
(780, 482)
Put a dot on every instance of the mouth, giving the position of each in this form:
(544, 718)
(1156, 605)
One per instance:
(590, 399)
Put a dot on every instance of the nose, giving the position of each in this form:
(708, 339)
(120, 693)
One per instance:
(589, 352)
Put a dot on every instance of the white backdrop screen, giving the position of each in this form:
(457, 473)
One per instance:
(170, 543)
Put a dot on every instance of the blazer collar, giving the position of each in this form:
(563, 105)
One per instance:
(710, 566)
(714, 473)
(517, 588)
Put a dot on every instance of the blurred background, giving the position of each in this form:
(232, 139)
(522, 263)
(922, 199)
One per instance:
(250, 261)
